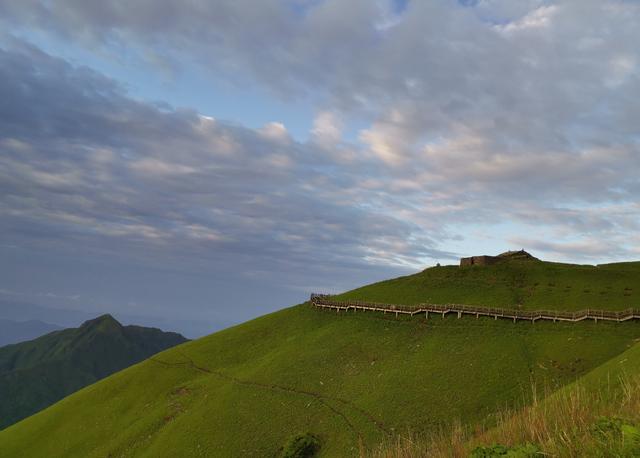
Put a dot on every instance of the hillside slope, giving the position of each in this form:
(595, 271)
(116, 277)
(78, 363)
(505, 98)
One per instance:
(527, 284)
(37, 373)
(350, 379)
(598, 415)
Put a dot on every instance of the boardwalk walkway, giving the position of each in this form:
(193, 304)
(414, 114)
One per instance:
(326, 302)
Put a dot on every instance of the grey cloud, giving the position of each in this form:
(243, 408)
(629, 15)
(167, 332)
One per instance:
(546, 90)
(84, 165)
(495, 112)
(589, 250)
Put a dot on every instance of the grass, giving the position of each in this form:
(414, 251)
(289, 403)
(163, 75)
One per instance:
(350, 380)
(598, 415)
(529, 285)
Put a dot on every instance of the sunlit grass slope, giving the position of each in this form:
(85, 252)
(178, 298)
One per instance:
(349, 379)
(599, 415)
(596, 416)
(530, 284)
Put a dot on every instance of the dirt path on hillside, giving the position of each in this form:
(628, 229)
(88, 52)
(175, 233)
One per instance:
(321, 398)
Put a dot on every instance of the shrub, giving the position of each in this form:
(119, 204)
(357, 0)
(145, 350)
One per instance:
(497, 450)
(607, 428)
(617, 436)
(301, 446)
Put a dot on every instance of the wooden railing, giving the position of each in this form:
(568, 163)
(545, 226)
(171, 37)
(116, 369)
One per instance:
(326, 301)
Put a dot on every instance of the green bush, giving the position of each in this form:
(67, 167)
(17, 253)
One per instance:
(617, 436)
(301, 446)
(607, 429)
(497, 450)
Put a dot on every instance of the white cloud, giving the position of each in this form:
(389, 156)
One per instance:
(539, 18)
(158, 168)
(390, 139)
(327, 129)
(621, 68)
(276, 131)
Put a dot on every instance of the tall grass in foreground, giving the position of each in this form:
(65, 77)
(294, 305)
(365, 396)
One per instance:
(577, 421)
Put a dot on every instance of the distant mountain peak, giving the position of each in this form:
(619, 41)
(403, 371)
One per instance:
(36, 373)
(103, 322)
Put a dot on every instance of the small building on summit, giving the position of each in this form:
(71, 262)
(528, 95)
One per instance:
(485, 260)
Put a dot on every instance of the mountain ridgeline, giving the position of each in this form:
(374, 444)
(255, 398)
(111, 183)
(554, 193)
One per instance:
(351, 380)
(37, 373)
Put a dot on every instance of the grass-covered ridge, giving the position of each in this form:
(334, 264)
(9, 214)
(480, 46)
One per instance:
(529, 285)
(349, 380)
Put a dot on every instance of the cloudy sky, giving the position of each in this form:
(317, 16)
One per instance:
(215, 160)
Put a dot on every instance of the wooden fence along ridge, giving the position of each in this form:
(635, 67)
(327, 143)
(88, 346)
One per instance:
(326, 301)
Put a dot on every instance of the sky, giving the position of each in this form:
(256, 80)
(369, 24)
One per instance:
(206, 162)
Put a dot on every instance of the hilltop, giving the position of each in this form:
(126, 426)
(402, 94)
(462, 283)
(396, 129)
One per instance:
(516, 282)
(485, 260)
(37, 373)
(351, 380)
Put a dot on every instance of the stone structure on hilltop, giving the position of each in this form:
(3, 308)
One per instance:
(478, 260)
(485, 260)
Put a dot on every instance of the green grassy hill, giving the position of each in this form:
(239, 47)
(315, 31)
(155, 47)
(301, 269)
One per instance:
(596, 416)
(529, 285)
(37, 373)
(351, 380)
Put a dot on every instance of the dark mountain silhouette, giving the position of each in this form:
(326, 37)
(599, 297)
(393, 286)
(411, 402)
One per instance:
(37, 373)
